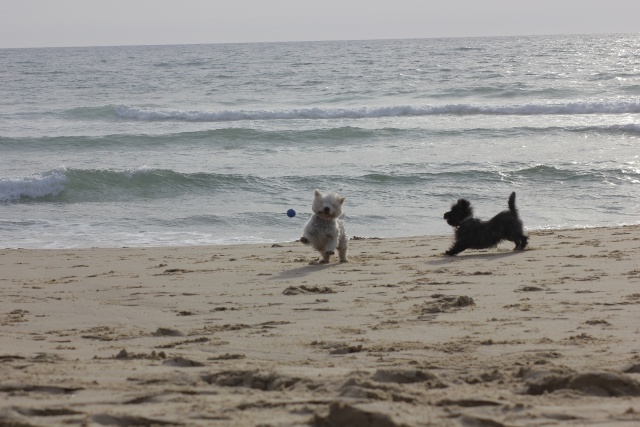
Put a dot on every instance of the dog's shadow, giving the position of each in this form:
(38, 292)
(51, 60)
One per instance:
(446, 259)
(302, 271)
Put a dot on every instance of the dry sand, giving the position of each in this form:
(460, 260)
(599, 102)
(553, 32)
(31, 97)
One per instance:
(253, 335)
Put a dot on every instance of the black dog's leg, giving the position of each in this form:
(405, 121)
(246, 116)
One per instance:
(455, 249)
(521, 243)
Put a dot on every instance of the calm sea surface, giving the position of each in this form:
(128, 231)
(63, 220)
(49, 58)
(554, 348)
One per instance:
(211, 144)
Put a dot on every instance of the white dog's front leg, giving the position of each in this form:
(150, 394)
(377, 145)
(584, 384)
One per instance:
(332, 244)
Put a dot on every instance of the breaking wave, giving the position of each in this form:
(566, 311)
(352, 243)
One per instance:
(87, 185)
(568, 108)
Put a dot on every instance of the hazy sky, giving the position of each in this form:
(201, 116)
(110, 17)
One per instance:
(38, 23)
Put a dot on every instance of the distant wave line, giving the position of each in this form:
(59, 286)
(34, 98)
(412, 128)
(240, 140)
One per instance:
(318, 113)
(237, 137)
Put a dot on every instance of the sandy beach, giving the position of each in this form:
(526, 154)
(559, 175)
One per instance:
(255, 336)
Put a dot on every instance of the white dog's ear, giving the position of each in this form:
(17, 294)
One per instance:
(341, 199)
(318, 193)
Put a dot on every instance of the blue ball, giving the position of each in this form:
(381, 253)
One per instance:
(291, 213)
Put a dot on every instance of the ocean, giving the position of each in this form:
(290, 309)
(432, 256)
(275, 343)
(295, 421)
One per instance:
(212, 144)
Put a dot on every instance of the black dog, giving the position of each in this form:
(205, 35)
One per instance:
(472, 233)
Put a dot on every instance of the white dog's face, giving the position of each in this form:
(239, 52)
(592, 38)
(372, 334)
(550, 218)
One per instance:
(327, 206)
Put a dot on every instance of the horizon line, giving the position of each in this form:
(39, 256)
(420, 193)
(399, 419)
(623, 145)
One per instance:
(316, 40)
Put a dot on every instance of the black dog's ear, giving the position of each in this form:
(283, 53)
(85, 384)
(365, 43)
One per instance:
(464, 203)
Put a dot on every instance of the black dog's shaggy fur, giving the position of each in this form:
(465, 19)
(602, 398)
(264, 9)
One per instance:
(472, 233)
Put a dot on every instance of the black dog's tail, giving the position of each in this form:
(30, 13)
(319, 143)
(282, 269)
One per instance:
(512, 203)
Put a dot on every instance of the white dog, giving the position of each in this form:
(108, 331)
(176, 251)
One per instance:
(324, 230)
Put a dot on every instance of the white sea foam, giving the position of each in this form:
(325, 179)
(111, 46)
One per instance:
(34, 186)
(625, 106)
